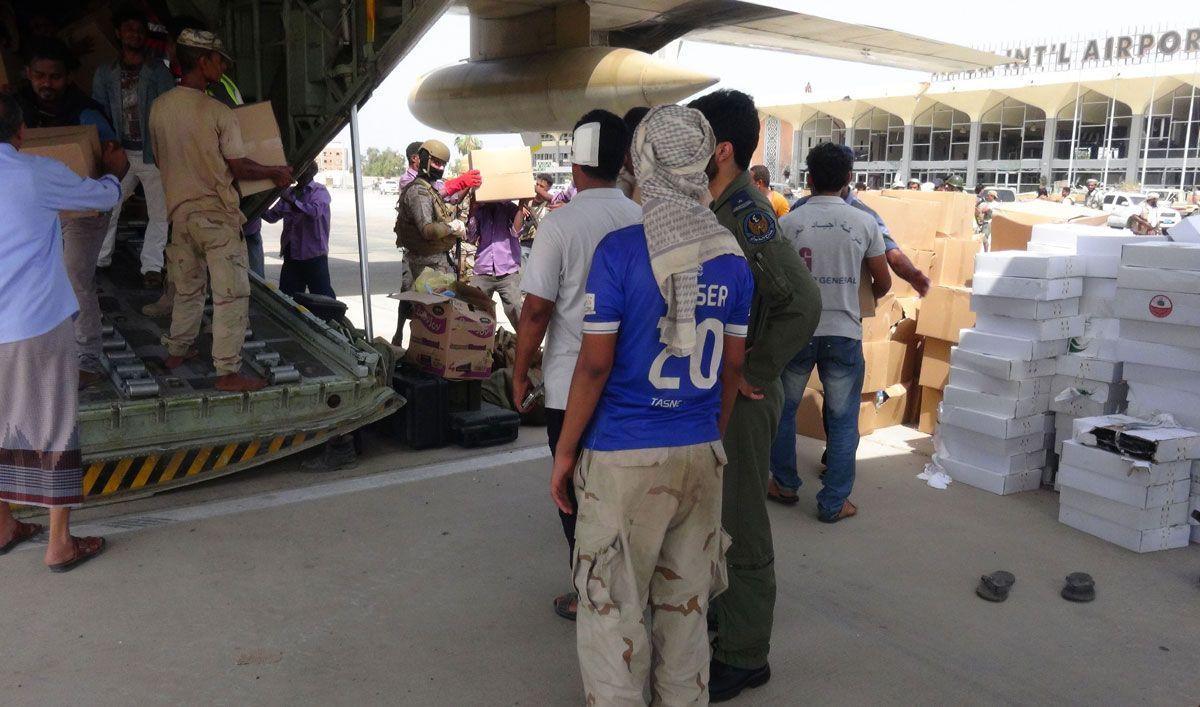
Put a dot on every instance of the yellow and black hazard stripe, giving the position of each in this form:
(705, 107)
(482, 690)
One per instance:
(103, 478)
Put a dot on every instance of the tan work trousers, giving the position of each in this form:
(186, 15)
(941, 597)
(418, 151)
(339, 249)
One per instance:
(648, 534)
(207, 247)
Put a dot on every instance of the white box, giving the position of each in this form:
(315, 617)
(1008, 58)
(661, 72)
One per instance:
(1025, 308)
(1195, 533)
(1193, 510)
(1157, 375)
(995, 404)
(996, 425)
(1027, 287)
(1130, 493)
(1100, 392)
(1098, 295)
(1038, 330)
(1162, 355)
(982, 383)
(1136, 540)
(1158, 306)
(1123, 515)
(1083, 406)
(1099, 340)
(1064, 426)
(1087, 240)
(999, 367)
(1013, 347)
(1133, 436)
(1100, 265)
(1093, 369)
(1159, 333)
(995, 463)
(1146, 400)
(1081, 429)
(1175, 256)
(1003, 484)
(1127, 469)
(1016, 263)
(1159, 279)
(1033, 442)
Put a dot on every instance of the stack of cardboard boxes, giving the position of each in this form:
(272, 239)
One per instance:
(1128, 483)
(995, 422)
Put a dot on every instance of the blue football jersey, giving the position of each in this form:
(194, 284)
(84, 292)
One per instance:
(652, 399)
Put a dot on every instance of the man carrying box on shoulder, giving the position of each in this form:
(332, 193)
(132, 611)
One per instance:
(834, 239)
(199, 149)
(52, 101)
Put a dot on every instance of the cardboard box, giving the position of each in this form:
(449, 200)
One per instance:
(1162, 355)
(78, 147)
(1076, 367)
(10, 71)
(264, 145)
(1159, 306)
(94, 31)
(1123, 515)
(1147, 400)
(1078, 405)
(1124, 468)
(995, 404)
(1101, 338)
(1001, 426)
(1033, 329)
(1169, 280)
(911, 307)
(1130, 539)
(931, 402)
(1027, 287)
(1158, 333)
(985, 444)
(1132, 437)
(913, 225)
(449, 337)
(809, 420)
(1000, 367)
(923, 260)
(1097, 298)
(1022, 264)
(935, 364)
(1013, 347)
(961, 446)
(1129, 492)
(1159, 254)
(955, 211)
(1086, 240)
(1012, 230)
(808, 415)
(946, 311)
(878, 327)
(1025, 308)
(1141, 373)
(954, 261)
(507, 174)
(981, 383)
(1095, 390)
(892, 410)
(1002, 484)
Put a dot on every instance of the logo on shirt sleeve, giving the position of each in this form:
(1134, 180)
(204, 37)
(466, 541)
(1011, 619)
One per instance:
(589, 304)
(758, 227)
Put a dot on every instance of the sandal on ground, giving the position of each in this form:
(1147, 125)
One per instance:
(848, 510)
(776, 493)
(562, 605)
(25, 531)
(85, 549)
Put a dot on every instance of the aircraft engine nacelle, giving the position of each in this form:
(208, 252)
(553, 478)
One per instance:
(547, 91)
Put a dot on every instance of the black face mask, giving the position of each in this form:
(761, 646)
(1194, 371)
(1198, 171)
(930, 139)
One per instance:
(435, 173)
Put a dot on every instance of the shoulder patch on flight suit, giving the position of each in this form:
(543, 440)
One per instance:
(740, 200)
(758, 226)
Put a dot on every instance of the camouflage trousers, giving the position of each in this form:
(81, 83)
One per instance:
(204, 248)
(410, 268)
(648, 534)
(82, 239)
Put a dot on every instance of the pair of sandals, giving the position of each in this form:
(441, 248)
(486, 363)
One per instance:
(84, 549)
(1079, 587)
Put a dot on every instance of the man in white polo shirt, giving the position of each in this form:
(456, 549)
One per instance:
(555, 278)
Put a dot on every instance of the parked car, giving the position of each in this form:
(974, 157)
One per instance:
(390, 186)
(1121, 205)
(1005, 194)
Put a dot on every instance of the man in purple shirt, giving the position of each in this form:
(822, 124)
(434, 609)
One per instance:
(304, 242)
(451, 190)
(493, 229)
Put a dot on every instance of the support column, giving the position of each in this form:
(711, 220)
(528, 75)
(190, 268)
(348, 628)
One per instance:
(1133, 160)
(973, 155)
(1050, 128)
(906, 154)
(850, 139)
(364, 271)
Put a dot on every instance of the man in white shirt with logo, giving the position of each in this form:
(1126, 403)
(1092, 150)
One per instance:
(555, 278)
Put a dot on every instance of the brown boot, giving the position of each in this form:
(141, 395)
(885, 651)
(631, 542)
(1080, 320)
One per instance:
(89, 378)
(238, 383)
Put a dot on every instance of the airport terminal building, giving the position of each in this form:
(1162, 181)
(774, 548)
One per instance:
(1121, 108)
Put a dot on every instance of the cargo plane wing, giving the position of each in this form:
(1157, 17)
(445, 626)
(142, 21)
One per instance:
(538, 64)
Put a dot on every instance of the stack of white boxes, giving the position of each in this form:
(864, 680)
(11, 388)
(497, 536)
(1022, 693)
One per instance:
(1128, 486)
(1083, 389)
(995, 427)
(1158, 302)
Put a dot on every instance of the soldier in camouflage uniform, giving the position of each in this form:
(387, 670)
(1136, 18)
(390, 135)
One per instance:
(426, 227)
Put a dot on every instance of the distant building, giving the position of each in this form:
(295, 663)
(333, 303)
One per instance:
(334, 158)
(553, 157)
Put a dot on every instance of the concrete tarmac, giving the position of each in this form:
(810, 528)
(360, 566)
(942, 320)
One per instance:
(426, 579)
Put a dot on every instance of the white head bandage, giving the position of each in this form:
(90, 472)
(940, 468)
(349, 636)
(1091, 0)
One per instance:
(585, 150)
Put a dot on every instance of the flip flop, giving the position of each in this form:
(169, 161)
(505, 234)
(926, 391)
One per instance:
(782, 499)
(84, 551)
(562, 605)
(25, 531)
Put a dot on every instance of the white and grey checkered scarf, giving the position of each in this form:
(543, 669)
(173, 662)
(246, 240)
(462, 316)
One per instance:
(671, 148)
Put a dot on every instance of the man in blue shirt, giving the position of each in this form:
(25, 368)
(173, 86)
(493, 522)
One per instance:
(51, 100)
(39, 434)
(666, 313)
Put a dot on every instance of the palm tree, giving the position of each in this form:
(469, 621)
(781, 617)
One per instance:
(466, 143)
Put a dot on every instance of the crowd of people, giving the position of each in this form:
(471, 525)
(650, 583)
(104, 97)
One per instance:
(163, 115)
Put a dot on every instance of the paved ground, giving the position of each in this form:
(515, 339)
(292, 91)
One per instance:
(425, 579)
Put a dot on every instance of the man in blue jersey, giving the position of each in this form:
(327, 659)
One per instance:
(666, 313)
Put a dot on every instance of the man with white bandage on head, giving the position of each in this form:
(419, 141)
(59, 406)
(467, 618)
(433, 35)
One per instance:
(666, 314)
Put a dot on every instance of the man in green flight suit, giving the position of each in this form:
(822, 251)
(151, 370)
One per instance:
(783, 316)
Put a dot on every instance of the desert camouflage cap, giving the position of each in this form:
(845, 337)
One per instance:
(199, 39)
